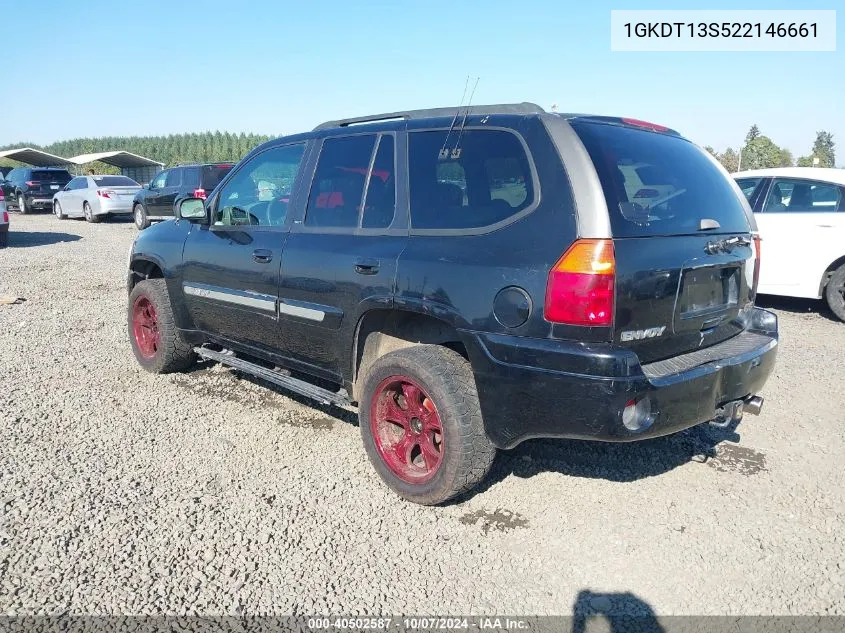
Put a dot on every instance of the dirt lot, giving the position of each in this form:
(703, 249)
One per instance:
(124, 492)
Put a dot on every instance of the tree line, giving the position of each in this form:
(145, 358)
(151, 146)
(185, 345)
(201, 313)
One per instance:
(760, 152)
(173, 149)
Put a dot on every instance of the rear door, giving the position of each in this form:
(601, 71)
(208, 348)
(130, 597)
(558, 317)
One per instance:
(803, 230)
(340, 259)
(683, 247)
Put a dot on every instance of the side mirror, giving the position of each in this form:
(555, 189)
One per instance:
(192, 209)
(146, 185)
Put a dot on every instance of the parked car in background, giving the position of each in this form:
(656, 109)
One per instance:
(95, 197)
(800, 213)
(4, 222)
(157, 200)
(468, 286)
(29, 188)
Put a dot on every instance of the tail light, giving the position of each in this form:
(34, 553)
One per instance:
(2, 196)
(32, 183)
(105, 194)
(199, 193)
(645, 124)
(5, 216)
(756, 265)
(581, 285)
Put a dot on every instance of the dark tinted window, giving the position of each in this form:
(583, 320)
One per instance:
(482, 178)
(212, 175)
(174, 177)
(190, 177)
(114, 181)
(259, 193)
(801, 196)
(52, 175)
(380, 203)
(683, 187)
(338, 187)
(748, 185)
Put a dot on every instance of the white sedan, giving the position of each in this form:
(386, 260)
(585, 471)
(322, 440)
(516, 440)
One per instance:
(95, 197)
(800, 213)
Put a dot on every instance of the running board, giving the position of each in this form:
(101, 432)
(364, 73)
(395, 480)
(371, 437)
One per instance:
(286, 382)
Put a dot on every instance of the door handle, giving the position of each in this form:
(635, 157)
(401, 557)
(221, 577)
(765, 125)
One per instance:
(366, 266)
(262, 256)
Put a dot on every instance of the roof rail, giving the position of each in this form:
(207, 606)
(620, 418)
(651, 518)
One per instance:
(502, 108)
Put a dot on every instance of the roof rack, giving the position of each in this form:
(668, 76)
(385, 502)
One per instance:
(502, 108)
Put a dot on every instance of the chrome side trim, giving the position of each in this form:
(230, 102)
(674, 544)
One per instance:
(300, 311)
(235, 297)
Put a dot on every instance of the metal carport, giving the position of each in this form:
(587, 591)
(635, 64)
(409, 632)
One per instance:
(136, 167)
(34, 157)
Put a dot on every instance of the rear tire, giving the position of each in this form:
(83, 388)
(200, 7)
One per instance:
(22, 204)
(139, 213)
(157, 344)
(89, 214)
(57, 209)
(834, 292)
(439, 449)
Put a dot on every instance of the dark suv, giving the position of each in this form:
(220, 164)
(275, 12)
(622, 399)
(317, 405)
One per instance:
(157, 200)
(469, 279)
(28, 188)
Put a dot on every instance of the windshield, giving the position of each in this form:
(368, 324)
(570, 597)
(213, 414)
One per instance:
(658, 184)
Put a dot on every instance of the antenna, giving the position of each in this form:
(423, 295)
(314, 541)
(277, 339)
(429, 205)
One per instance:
(456, 153)
(443, 154)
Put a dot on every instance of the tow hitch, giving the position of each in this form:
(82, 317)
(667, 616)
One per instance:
(732, 411)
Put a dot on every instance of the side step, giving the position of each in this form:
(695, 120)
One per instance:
(286, 382)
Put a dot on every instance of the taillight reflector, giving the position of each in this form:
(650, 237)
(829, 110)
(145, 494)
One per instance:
(2, 197)
(199, 193)
(5, 216)
(105, 194)
(581, 284)
(32, 183)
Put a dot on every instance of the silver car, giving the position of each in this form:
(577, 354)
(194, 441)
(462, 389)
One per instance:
(95, 197)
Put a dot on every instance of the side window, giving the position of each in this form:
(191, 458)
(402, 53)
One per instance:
(380, 203)
(190, 177)
(338, 188)
(13, 175)
(802, 196)
(174, 178)
(81, 183)
(748, 185)
(158, 181)
(482, 181)
(259, 193)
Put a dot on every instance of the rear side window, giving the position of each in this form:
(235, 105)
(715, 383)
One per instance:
(213, 174)
(658, 184)
(338, 187)
(114, 181)
(483, 177)
(51, 176)
(174, 178)
(748, 185)
(801, 196)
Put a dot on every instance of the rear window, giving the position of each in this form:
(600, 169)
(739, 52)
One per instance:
(51, 176)
(657, 184)
(114, 181)
(467, 180)
(213, 174)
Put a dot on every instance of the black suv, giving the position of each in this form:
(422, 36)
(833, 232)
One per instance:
(28, 188)
(469, 279)
(157, 200)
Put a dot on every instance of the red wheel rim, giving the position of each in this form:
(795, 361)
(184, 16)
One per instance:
(407, 430)
(145, 327)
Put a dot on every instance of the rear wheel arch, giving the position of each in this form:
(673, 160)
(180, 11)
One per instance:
(380, 332)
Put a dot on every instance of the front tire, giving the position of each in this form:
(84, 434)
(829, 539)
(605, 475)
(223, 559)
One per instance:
(57, 209)
(834, 292)
(89, 214)
(158, 345)
(139, 213)
(421, 424)
(22, 204)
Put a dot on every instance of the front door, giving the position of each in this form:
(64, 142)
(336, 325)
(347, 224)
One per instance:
(340, 259)
(799, 226)
(230, 270)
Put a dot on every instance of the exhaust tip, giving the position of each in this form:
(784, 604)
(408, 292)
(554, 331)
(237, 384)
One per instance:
(753, 405)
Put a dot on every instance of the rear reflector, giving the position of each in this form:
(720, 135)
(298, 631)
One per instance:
(5, 216)
(580, 288)
(645, 124)
(199, 193)
(32, 183)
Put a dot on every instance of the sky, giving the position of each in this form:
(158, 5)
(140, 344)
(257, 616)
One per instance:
(104, 68)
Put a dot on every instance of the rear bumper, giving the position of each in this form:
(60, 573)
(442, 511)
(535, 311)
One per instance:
(118, 207)
(537, 388)
(39, 201)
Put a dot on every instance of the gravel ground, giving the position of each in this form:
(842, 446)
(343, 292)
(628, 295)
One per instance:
(206, 493)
